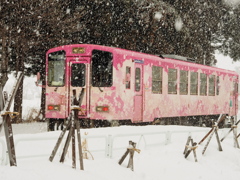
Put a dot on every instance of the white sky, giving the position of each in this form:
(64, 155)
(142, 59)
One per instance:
(225, 62)
(232, 2)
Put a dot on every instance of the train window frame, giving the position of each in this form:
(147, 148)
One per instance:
(183, 82)
(157, 79)
(128, 78)
(193, 83)
(211, 85)
(76, 79)
(235, 88)
(203, 84)
(56, 69)
(172, 81)
(218, 85)
(137, 79)
(102, 76)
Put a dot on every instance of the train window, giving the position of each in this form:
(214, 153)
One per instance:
(78, 75)
(203, 84)
(157, 79)
(235, 88)
(137, 79)
(183, 82)
(128, 77)
(211, 86)
(218, 85)
(194, 83)
(56, 68)
(172, 81)
(102, 67)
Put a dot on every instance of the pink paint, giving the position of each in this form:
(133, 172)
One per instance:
(144, 105)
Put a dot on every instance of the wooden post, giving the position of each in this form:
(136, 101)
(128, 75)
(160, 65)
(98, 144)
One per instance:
(5, 107)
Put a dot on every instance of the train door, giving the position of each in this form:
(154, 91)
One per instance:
(138, 94)
(234, 98)
(78, 81)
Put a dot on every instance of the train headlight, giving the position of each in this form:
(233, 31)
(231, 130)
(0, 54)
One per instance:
(78, 50)
(53, 107)
(102, 109)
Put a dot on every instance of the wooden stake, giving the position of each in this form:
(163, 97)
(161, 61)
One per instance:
(73, 146)
(79, 138)
(124, 155)
(215, 128)
(5, 106)
(131, 151)
(59, 141)
(235, 138)
(9, 140)
(187, 143)
(218, 141)
(66, 145)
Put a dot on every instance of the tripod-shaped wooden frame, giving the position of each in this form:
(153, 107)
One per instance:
(214, 130)
(188, 149)
(72, 123)
(131, 149)
(234, 130)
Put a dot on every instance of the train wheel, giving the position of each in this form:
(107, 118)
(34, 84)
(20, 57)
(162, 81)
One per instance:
(114, 123)
(60, 123)
(51, 124)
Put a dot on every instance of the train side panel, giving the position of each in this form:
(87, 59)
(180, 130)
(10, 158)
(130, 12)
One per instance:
(131, 95)
(173, 105)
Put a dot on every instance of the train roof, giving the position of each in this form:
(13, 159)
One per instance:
(182, 58)
(165, 58)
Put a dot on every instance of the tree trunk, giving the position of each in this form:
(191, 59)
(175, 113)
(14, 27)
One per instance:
(4, 62)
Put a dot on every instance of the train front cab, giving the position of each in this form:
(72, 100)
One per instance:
(81, 69)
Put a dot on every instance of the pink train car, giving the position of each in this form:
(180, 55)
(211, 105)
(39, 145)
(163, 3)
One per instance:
(127, 86)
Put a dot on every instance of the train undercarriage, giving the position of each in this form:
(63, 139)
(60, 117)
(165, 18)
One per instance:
(200, 121)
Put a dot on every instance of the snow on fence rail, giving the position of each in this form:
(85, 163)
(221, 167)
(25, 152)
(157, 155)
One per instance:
(105, 144)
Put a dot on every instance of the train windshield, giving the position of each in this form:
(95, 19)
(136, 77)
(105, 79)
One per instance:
(56, 68)
(102, 67)
(78, 75)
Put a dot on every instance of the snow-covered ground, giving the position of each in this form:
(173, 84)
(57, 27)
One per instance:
(158, 159)
(161, 155)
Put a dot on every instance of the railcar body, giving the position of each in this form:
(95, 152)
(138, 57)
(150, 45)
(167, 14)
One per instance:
(126, 85)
